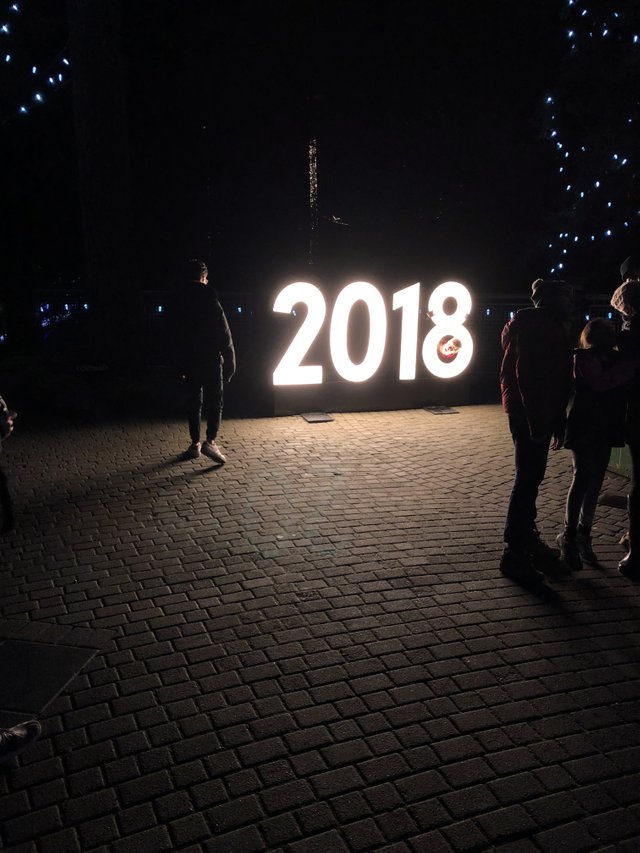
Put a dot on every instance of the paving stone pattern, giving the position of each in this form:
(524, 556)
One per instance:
(311, 648)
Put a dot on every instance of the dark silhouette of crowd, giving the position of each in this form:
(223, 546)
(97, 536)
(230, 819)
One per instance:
(586, 400)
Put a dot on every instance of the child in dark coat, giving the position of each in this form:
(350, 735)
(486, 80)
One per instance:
(595, 424)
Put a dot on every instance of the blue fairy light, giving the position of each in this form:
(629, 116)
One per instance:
(549, 99)
(38, 97)
(7, 57)
(23, 110)
(597, 185)
(5, 28)
(65, 61)
(608, 232)
(34, 69)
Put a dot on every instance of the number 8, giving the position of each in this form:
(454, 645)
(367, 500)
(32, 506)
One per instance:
(448, 326)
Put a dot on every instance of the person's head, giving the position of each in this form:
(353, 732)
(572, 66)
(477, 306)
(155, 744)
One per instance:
(630, 268)
(626, 298)
(598, 334)
(554, 295)
(196, 270)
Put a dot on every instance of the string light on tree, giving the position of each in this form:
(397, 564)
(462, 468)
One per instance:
(33, 79)
(586, 119)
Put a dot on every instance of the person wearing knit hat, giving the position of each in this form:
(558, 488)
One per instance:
(626, 300)
(535, 381)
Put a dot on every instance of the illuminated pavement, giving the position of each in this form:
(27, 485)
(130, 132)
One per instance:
(310, 649)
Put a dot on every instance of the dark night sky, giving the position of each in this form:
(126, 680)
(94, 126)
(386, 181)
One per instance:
(429, 142)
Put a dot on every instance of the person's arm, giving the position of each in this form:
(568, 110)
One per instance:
(227, 350)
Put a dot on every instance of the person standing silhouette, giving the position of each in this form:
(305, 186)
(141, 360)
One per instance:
(205, 356)
(626, 300)
(535, 381)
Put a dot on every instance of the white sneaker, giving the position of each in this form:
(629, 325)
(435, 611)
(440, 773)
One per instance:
(14, 740)
(193, 452)
(211, 449)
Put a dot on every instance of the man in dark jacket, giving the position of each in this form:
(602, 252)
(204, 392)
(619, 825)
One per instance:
(204, 354)
(626, 300)
(535, 380)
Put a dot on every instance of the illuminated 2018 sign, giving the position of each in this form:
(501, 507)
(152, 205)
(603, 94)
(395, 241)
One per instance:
(446, 351)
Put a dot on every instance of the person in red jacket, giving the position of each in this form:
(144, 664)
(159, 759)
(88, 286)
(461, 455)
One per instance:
(535, 380)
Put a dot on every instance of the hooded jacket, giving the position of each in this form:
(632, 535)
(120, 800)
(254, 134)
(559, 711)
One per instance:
(535, 375)
(201, 334)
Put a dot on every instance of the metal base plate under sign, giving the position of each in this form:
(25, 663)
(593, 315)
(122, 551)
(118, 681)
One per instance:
(316, 417)
(441, 410)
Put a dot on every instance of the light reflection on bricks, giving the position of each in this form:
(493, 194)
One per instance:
(312, 645)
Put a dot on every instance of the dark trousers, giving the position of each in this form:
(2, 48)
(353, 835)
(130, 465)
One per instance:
(205, 395)
(531, 464)
(589, 467)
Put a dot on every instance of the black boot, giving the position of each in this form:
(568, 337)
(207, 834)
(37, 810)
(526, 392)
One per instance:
(629, 566)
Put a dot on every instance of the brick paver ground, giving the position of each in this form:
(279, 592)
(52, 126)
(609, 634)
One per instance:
(311, 648)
